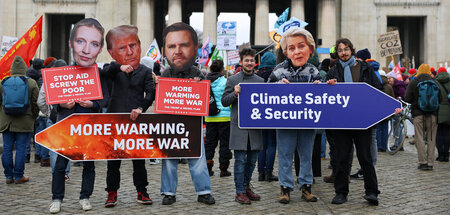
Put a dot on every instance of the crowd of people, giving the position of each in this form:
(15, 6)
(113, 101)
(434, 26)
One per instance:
(128, 84)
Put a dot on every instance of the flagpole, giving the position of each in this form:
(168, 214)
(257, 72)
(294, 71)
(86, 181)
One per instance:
(270, 45)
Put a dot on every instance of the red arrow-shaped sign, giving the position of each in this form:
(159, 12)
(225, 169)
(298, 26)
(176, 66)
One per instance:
(115, 136)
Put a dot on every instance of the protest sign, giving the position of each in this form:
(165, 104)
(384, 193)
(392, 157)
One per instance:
(389, 44)
(285, 106)
(65, 84)
(182, 97)
(233, 57)
(115, 136)
(7, 43)
(226, 36)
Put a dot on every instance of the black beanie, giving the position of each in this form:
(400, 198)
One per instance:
(364, 54)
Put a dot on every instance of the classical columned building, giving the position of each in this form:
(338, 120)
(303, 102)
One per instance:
(423, 24)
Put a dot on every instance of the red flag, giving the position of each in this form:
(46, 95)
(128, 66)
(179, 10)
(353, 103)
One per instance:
(25, 47)
(398, 73)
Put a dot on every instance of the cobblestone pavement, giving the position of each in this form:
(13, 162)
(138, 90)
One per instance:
(404, 190)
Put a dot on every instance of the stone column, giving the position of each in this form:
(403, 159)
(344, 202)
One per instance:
(298, 9)
(143, 16)
(262, 22)
(210, 20)
(327, 23)
(430, 45)
(174, 12)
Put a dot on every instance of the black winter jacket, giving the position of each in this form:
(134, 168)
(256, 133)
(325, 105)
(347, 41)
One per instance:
(367, 74)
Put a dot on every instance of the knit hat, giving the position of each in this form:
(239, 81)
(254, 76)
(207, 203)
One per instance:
(424, 69)
(402, 69)
(382, 72)
(441, 69)
(48, 61)
(18, 66)
(392, 75)
(432, 69)
(59, 63)
(268, 60)
(412, 71)
(405, 77)
(364, 54)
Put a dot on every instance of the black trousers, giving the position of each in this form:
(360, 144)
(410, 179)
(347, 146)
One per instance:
(443, 139)
(139, 175)
(344, 140)
(216, 131)
(59, 184)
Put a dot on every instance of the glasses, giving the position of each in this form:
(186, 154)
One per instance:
(249, 60)
(343, 50)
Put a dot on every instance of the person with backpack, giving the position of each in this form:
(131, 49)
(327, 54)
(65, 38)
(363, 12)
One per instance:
(443, 130)
(423, 94)
(18, 110)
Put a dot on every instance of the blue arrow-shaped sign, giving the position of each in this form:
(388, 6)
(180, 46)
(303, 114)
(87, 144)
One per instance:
(342, 106)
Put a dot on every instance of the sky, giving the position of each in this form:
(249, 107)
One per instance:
(243, 24)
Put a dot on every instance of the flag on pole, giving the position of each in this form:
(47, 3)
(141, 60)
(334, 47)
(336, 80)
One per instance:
(391, 65)
(282, 18)
(153, 51)
(398, 73)
(217, 54)
(293, 22)
(205, 50)
(25, 47)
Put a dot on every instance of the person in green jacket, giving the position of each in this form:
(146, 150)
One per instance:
(17, 129)
(442, 136)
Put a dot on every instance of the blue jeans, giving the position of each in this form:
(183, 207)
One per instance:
(382, 135)
(398, 133)
(14, 170)
(323, 145)
(53, 157)
(199, 175)
(244, 164)
(266, 156)
(43, 123)
(288, 140)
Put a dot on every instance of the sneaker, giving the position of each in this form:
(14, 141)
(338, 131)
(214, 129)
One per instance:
(429, 167)
(55, 207)
(22, 180)
(328, 179)
(423, 167)
(359, 175)
(207, 199)
(307, 195)
(339, 199)
(85, 204)
(371, 198)
(144, 198)
(153, 161)
(66, 178)
(252, 195)
(285, 195)
(242, 198)
(111, 201)
(168, 200)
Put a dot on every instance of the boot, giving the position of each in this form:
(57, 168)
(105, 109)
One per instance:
(224, 169)
(307, 195)
(210, 164)
(262, 176)
(270, 177)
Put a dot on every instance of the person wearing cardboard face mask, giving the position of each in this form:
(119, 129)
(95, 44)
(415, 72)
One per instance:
(86, 40)
(132, 91)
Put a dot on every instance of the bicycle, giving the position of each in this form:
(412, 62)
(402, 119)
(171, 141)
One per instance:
(397, 132)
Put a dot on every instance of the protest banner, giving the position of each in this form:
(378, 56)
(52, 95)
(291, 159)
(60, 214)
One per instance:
(7, 43)
(226, 36)
(25, 47)
(182, 96)
(286, 106)
(65, 84)
(389, 44)
(233, 57)
(116, 136)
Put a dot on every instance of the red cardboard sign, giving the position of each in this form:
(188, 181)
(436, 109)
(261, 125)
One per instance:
(182, 97)
(65, 84)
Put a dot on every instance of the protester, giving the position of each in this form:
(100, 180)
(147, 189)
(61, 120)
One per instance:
(180, 45)
(246, 143)
(443, 135)
(46, 111)
(132, 92)
(18, 128)
(425, 123)
(347, 69)
(218, 126)
(266, 156)
(86, 40)
(383, 126)
(399, 88)
(298, 45)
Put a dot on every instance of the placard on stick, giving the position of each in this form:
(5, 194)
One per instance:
(389, 44)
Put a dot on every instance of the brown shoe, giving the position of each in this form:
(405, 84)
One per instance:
(242, 198)
(251, 195)
(45, 162)
(210, 164)
(285, 195)
(307, 195)
(22, 180)
(9, 181)
(328, 179)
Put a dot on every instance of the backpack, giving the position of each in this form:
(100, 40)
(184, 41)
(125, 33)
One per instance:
(428, 96)
(448, 93)
(15, 95)
(213, 110)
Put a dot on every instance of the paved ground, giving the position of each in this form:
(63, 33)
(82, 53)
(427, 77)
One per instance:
(404, 190)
